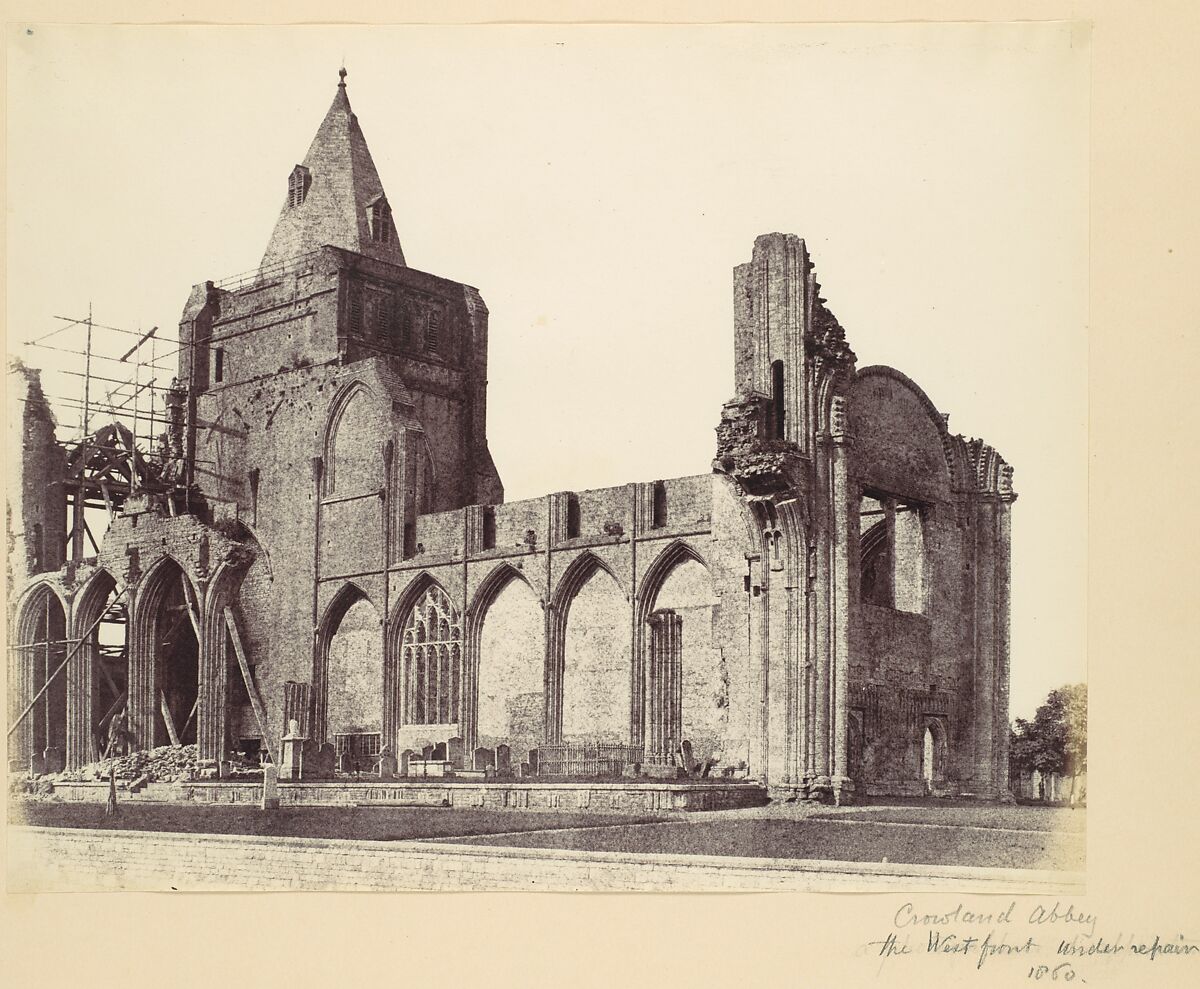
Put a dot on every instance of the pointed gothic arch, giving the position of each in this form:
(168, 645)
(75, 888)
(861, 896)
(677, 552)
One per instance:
(41, 739)
(164, 656)
(667, 647)
(97, 685)
(351, 392)
(408, 659)
(578, 574)
(348, 595)
(494, 585)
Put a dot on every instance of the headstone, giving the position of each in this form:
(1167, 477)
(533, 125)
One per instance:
(503, 760)
(346, 762)
(325, 760)
(292, 752)
(525, 769)
(533, 762)
(402, 762)
(270, 790)
(485, 759)
(54, 760)
(427, 752)
(387, 764)
(686, 758)
(439, 752)
(456, 752)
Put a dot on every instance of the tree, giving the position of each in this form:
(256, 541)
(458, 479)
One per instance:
(1055, 741)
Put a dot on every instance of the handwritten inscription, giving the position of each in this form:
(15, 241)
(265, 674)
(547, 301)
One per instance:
(1040, 941)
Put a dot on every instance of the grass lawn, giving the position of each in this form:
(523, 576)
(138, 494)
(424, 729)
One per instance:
(965, 834)
(973, 814)
(841, 837)
(362, 823)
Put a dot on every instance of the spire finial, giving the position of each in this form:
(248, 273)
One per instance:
(342, 77)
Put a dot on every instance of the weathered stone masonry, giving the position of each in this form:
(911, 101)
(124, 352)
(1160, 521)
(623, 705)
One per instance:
(825, 611)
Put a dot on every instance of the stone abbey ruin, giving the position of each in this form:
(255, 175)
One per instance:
(309, 558)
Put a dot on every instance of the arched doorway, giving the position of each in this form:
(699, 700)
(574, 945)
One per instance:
(40, 742)
(164, 675)
(933, 753)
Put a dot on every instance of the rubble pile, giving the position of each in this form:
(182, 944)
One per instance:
(165, 764)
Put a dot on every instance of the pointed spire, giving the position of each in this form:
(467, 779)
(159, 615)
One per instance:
(336, 197)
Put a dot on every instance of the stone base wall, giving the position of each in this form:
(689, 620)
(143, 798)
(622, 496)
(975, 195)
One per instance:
(594, 798)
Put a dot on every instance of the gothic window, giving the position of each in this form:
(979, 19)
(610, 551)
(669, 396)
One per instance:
(432, 657)
(381, 222)
(298, 183)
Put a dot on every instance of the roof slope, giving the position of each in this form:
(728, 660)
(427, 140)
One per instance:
(343, 185)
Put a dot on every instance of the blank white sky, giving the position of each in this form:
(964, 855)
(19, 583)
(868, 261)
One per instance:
(598, 184)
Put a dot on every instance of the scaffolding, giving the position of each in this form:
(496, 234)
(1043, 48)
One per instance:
(119, 415)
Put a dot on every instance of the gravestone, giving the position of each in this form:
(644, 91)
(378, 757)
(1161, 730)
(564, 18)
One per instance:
(346, 762)
(686, 758)
(54, 760)
(456, 753)
(324, 760)
(402, 762)
(533, 762)
(439, 752)
(524, 769)
(387, 763)
(485, 759)
(270, 790)
(292, 752)
(503, 760)
(427, 752)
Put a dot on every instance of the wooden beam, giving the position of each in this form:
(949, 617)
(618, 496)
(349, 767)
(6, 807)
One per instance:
(189, 604)
(166, 713)
(145, 336)
(107, 500)
(117, 705)
(255, 701)
(187, 724)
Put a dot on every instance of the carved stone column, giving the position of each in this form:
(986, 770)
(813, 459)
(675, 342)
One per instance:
(81, 692)
(666, 684)
(1003, 580)
(840, 578)
(552, 679)
(985, 643)
(822, 695)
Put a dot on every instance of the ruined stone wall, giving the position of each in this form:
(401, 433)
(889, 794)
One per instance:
(912, 659)
(35, 503)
